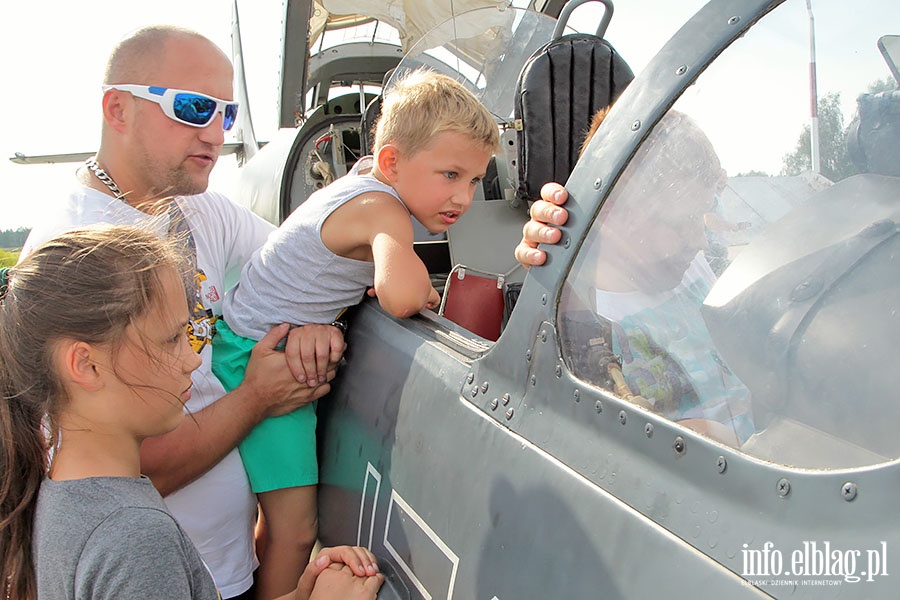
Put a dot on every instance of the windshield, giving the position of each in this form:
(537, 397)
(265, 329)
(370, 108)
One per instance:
(485, 49)
(740, 277)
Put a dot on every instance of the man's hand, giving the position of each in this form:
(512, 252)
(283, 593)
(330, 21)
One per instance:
(314, 351)
(270, 381)
(545, 212)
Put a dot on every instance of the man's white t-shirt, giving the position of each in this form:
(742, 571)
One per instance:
(218, 509)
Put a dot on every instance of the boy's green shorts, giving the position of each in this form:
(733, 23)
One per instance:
(280, 452)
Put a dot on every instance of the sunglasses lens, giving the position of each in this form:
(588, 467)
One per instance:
(230, 116)
(194, 109)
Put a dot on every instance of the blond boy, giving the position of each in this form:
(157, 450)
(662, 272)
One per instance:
(433, 142)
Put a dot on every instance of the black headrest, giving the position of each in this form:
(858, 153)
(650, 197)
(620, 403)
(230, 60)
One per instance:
(560, 88)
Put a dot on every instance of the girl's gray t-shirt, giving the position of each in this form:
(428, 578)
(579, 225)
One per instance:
(112, 537)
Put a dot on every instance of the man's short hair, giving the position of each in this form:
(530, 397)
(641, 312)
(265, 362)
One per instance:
(137, 52)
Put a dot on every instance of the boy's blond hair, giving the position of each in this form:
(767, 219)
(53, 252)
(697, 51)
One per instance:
(423, 104)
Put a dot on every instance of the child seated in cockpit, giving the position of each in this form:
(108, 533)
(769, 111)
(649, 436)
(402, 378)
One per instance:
(433, 142)
(641, 280)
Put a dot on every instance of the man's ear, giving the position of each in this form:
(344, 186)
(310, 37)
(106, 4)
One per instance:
(116, 105)
(387, 159)
(79, 365)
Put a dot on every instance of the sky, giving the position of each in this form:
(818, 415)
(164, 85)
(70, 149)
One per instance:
(53, 56)
(54, 53)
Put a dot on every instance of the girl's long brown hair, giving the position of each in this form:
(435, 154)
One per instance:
(85, 285)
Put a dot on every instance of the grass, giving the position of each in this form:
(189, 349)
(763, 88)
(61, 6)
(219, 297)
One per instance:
(8, 257)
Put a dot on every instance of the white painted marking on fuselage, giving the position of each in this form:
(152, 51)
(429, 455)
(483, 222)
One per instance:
(454, 560)
(371, 472)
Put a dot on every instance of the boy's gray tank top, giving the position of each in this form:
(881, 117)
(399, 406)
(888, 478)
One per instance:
(294, 278)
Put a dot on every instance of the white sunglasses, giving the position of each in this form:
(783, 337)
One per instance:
(184, 106)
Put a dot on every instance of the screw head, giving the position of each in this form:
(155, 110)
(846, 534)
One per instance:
(509, 413)
(623, 418)
(783, 487)
(721, 464)
(648, 429)
(597, 183)
(636, 125)
(484, 387)
(598, 406)
(494, 404)
(681, 70)
(506, 399)
(470, 377)
(678, 445)
(849, 491)
(577, 395)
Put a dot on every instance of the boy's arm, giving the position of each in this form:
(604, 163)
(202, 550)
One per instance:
(402, 283)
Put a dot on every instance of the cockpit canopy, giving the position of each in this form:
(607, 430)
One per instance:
(740, 277)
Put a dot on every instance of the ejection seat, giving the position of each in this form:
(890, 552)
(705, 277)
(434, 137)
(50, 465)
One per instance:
(558, 91)
(560, 88)
(370, 116)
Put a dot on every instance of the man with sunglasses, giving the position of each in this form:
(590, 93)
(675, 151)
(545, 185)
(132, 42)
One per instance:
(166, 105)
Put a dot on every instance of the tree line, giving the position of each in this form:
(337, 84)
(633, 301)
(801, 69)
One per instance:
(13, 238)
(834, 156)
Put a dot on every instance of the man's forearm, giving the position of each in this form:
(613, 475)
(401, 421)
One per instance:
(269, 388)
(179, 457)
